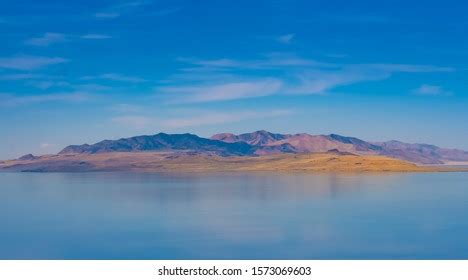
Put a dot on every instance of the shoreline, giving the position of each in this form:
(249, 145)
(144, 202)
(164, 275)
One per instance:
(180, 162)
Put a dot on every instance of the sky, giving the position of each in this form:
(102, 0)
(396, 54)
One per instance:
(74, 72)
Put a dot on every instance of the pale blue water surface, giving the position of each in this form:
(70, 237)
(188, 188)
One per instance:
(233, 216)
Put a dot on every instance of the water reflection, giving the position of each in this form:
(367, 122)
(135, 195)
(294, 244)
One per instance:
(194, 187)
(241, 216)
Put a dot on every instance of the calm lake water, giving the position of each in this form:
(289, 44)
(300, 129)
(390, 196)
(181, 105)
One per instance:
(233, 216)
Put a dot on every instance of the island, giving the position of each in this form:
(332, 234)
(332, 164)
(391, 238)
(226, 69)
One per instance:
(257, 151)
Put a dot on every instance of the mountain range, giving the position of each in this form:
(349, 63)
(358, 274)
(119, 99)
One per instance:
(266, 143)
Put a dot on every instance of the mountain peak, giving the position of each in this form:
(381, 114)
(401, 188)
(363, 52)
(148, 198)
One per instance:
(27, 157)
(263, 142)
(256, 138)
(264, 132)
(163, 142)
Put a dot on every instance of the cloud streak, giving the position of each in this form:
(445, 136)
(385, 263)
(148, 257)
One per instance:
(195, 119)
(223, 92)
(118, 10)
(95, 37)
(29, 62)
(288, 74)
(354, 19)
(7, 99)
(269, 61)
(431, 90)
(46, 84)
(116, 77)
(286, 39)
(19, 77)
(214, 118)
(109, 15)
(50, 38)
(46, 40)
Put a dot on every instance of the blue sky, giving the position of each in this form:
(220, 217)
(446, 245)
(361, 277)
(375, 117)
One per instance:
(74, 72)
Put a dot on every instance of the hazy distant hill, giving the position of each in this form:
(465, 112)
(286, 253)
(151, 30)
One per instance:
(421, 153)
(305, 143)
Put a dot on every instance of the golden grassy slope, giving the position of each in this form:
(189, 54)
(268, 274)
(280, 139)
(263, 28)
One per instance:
(181, 162)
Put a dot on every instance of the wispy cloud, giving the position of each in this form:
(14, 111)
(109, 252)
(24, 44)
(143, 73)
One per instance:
(337, 55)
(276, 60)
(46, 145)
(126, 108)
(355, 18)
(122, 78)
(320, 82)
(46, 84)
(287, 74)
(195, 118)
(406, 68)
(107, 15)
(119, 9)
(29, 62)
(92, 87)
(431, 90)
(269, 61)
(47, 148)
(46, 39)
(214, 118)
(286, 39)
(131, 4)
(7, 99)
(16, 77)
(222, 92)
(95, 36)
(50, 38)
(115, 77)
